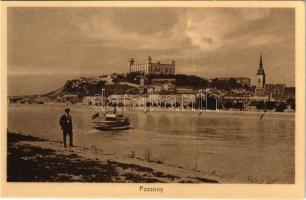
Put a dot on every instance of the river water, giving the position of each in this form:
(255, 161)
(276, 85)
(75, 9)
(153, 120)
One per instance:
(236, 147)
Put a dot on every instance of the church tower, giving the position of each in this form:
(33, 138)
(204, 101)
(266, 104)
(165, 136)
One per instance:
(261, 76)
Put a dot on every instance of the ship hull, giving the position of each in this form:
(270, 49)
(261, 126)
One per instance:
(104, 128)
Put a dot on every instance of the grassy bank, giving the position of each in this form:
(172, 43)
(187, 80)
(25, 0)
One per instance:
(31, 159)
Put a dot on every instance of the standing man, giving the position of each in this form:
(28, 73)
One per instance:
(66, 125)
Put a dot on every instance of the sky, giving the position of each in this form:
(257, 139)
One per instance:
(47, 46)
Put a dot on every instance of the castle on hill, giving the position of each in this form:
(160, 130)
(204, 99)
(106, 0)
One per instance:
(152, 67)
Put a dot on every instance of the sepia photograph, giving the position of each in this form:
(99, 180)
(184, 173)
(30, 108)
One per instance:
(149, 94)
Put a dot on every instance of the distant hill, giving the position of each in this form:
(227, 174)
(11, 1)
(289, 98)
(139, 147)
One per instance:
(126, 84)
(91, 88)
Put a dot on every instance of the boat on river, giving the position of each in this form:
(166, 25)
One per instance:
(110, 121)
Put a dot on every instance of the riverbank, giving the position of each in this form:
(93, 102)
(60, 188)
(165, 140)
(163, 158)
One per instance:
(32, 159)
(130, 109)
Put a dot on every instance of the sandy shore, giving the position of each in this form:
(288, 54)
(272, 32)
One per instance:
(32, 159)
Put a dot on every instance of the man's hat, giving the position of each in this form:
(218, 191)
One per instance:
(67, 109)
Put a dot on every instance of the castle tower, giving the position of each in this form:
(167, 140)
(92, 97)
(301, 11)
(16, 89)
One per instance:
(149, 59)
(261, 76)
(130, 63)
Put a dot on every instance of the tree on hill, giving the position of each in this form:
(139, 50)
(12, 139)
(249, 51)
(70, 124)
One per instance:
(225, 84)
(151, 76)
(118, 78)
(190, 80)
(134, 77)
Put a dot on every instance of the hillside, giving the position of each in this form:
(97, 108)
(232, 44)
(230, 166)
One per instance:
(91, 88)
(128, 84)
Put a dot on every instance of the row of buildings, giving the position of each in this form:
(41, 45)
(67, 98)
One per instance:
(164, 81)
(261, 90)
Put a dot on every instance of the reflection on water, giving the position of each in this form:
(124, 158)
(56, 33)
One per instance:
(237, 146)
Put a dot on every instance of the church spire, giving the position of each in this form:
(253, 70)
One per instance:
(260, 62)
(260, 70)
(261, 77)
